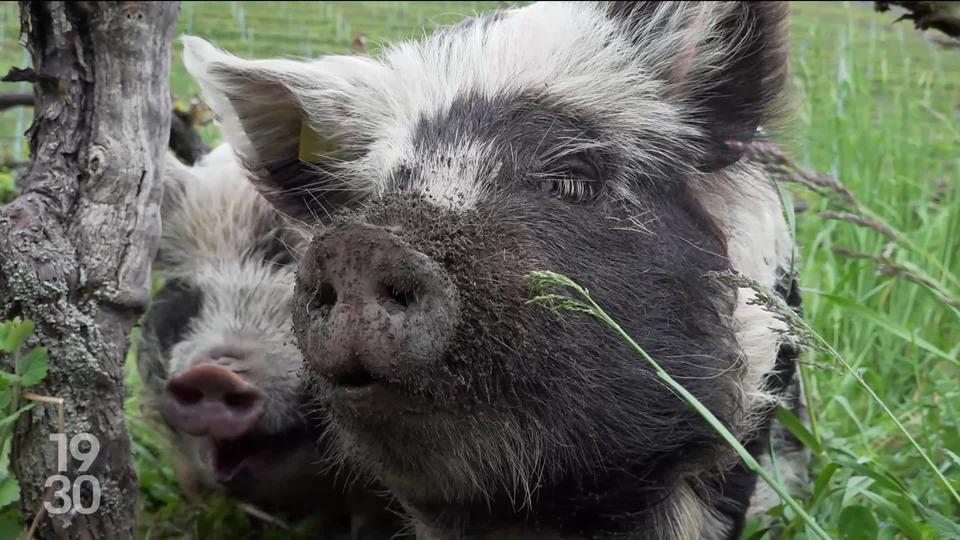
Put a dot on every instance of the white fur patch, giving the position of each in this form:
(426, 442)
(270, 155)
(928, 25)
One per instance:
(686, 515)
(747, 206)
(581, 56)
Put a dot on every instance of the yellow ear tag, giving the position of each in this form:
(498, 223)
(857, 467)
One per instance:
(312, 145)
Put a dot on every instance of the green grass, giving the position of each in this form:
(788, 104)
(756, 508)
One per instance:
(877, 106)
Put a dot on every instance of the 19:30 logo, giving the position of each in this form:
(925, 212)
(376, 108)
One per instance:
(67, 493)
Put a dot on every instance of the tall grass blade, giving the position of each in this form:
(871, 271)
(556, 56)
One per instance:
(544, 281)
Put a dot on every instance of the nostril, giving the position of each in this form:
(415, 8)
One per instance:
(185, 394)
(356, 378)
(326, 296)
(241, 400)
(397, 294)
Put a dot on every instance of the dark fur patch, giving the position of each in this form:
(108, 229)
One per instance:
(524, 131)
(307, 191)
(520, 128)
(743, 94)
(173, 308)
(518, 366)
(785, 367)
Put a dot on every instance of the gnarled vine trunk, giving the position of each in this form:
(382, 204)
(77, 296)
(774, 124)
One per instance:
(76, 245)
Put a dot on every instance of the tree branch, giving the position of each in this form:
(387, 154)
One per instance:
(939, 15)
(15, 99)
(185, 141)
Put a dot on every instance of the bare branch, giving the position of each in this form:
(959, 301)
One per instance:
(942, 16)
(15, 99)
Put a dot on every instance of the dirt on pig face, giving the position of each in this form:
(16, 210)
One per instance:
(523, 399)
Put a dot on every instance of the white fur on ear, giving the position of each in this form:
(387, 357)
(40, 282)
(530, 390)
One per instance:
(261, 104)
(198, 56)
(724, 62)
(197, 52)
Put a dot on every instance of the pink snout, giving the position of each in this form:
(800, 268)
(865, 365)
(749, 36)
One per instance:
(209, 399)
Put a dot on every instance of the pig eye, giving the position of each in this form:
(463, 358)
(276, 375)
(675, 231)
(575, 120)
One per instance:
(570, 189)
(575, 181)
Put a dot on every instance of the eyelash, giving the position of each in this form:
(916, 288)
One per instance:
(571, 189)
(577, 182)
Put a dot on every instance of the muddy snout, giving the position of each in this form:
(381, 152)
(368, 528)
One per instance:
(371, 308)
(210, 399)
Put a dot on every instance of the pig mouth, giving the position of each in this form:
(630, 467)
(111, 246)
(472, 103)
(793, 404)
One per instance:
(366, 392)
(254, 455)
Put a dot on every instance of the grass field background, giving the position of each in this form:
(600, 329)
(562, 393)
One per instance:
(878, 106)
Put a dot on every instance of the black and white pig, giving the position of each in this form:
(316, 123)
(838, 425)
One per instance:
(589, 139)
(218, 358)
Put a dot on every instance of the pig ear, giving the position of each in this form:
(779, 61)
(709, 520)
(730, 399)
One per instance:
(725, 63)
(266, 108)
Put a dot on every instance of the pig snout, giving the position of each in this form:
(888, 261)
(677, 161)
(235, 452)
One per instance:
(209, 399)
(379, 307)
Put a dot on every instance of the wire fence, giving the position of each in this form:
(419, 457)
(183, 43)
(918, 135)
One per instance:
(251, 29)
(310, 29)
